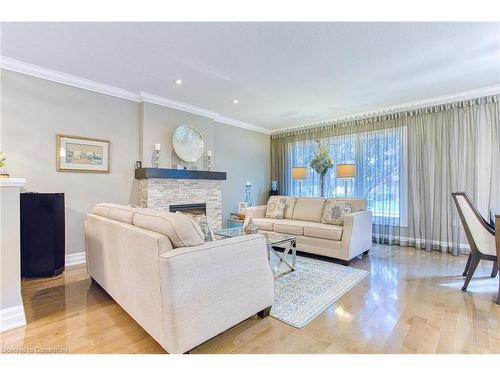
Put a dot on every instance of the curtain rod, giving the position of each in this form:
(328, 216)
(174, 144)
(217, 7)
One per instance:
(389, 114)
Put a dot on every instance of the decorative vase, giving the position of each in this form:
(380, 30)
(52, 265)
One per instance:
(322, 185)
(250, 228)
(3, 173)
(274, 188)
(248, 194)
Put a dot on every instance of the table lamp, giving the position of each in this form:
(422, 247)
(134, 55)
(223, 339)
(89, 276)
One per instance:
(300, 173)
(346, 172)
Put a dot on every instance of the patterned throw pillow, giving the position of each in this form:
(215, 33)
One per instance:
(275, 208)
(202, 221)
(334, 212)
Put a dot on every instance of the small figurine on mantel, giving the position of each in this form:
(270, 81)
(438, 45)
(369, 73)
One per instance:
(3, 172)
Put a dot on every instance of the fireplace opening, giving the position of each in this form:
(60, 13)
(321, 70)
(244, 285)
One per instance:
(193, 208)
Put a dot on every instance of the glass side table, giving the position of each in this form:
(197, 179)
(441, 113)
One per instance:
(235, 220)
(274, 241)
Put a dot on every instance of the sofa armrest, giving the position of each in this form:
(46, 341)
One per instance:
(255, 212)
(209, 288)
(357, 234)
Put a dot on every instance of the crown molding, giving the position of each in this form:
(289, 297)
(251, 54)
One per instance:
(240, 124)
(141, 96)
(443, 99)
(67, 79)
(135, 96)
(174, 104)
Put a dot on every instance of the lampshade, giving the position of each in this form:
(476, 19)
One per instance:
(346, 170)
(300, 173)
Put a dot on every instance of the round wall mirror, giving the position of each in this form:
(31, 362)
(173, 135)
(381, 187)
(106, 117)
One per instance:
(188, 143)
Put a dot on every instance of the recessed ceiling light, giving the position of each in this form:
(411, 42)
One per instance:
(234, 101)
(178, 82)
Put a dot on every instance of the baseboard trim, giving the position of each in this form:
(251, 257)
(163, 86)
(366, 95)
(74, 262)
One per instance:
(12, 317)
(75, 258)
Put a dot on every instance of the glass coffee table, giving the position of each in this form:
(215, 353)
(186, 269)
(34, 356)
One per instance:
(275, 241)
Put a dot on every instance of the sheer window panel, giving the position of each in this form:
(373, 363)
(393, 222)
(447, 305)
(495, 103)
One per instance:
(380, 171)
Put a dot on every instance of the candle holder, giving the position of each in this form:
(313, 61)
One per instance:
(209, 162)
(156, 159)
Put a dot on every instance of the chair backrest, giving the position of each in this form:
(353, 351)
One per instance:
(497, 236)
(480, 235)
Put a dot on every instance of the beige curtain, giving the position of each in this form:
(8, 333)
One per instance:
(445, 148)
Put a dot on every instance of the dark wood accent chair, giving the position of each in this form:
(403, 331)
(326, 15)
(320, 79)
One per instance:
(480, 235)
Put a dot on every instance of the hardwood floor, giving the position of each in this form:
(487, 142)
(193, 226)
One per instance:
(410, 303)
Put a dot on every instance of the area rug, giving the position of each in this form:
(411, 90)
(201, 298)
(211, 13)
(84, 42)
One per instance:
(302, 295)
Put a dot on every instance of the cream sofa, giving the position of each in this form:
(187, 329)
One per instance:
(302, 218)
(181, 295)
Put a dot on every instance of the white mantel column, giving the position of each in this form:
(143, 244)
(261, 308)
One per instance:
(11, 303)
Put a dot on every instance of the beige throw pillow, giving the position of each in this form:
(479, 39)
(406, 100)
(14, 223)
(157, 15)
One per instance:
(202, 221)
(181, 229)
(334, 212)
(275, 208)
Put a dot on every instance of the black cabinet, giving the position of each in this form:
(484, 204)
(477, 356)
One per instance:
(42, 234)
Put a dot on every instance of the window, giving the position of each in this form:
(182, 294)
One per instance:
(380, 171)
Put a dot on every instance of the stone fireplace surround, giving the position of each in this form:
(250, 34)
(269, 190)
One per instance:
(160, 193)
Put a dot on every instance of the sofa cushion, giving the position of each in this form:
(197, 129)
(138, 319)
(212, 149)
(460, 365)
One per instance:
(287, 226)
(181, 229)
(358, 204)
(309, 209)
(275, 208)
(335, 210)
(114, 211)
(321, 246)
(326, 231)
(289, 205)
(264, 223)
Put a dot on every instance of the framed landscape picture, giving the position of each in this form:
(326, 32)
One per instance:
(81, 154)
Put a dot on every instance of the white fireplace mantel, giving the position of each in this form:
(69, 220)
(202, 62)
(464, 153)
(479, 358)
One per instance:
(12, 182)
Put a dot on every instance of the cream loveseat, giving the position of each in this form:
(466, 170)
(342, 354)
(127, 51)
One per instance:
(302, 218)
(181, 290)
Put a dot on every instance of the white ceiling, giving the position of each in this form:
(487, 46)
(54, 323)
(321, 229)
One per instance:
(283, 74)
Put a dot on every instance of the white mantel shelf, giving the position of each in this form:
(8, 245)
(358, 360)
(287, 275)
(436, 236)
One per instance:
(12, 182)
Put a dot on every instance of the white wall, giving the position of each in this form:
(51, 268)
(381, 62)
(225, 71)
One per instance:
(246, 156)
(158, 126)
(35, 110)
